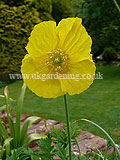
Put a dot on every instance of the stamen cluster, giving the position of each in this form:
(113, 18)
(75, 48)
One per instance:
(57, 60)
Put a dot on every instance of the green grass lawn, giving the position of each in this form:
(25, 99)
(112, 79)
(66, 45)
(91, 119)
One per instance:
(100, 103)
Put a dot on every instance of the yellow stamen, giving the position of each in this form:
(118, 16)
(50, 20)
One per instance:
(57, 60)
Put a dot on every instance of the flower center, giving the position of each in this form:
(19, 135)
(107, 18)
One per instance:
(57, 60)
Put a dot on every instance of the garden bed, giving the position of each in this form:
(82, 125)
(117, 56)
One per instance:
(87, 141)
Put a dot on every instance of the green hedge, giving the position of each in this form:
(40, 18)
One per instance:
(16, 25)
(44, 7)
(12, 3)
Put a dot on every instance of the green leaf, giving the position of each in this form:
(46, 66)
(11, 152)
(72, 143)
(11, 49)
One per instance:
(18, 154)
(5, 149)
(32, 137)
(2, 96)
(9, 116)
(45, 148)
(60, 136)
(2, 107)
(18, 113)
(2, 153)
(7, 141)
(27, 123)
(7, 145)
(3, 131)
(60, 151)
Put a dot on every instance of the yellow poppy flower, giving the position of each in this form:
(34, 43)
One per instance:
(62, 50)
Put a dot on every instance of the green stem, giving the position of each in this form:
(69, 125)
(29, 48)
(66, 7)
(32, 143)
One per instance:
(78, 148)
(117, 6)
(68, 125)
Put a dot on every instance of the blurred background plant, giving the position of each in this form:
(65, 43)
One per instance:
(62, 9)
(109, 55)
(16, 25)
(101, 18)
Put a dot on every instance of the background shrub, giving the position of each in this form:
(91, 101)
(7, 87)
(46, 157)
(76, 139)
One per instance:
(101, 18)
(2, 84)
(16, 25)
(12, 3)
(109, 54)
(44, 8)
(79, 7)
(62, 9)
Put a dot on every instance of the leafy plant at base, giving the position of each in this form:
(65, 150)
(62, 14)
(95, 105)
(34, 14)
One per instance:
(17, 138)
(56, 144)
(45, 149)
(19, 154)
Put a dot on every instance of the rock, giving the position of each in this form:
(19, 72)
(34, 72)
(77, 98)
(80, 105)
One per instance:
(88, 142)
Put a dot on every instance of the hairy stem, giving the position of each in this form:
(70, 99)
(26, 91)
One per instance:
(68, 125)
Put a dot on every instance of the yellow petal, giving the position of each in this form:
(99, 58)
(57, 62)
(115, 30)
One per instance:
(83, 74)
(74, 39)
(64, 27)
(34, 75)
(43, 39)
